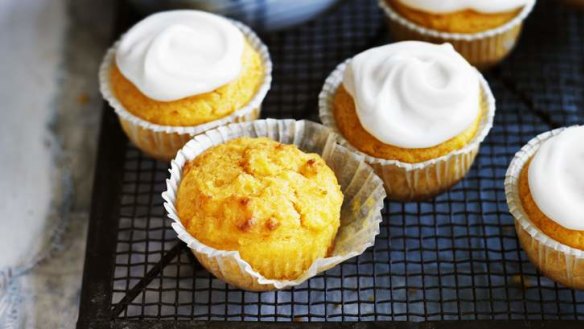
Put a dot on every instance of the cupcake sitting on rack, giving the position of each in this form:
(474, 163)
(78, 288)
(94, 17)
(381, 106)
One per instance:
(417, 112)
(483, 31)
(278, 206)
(268, 204)
(545, 192)
(179, 73)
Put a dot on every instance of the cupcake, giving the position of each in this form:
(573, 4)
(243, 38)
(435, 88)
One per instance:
(416, 111)
(545, 193)
(276, 205)
(483, 31)
(268, 204)
(176, 74)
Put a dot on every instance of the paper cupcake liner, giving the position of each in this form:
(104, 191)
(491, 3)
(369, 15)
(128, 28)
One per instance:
(162, 142)
(360, 212)
(557, 261)
(413, 181)
(483, 50)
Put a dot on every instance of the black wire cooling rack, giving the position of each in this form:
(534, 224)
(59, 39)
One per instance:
(451, 262)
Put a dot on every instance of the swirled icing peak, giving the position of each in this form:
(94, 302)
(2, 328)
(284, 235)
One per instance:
(413, 94)
(450, 6)
(556, 178)
(176, 54)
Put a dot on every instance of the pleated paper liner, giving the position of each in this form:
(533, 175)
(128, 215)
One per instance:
(360, 213)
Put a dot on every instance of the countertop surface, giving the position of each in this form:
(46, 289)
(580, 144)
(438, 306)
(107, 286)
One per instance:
(48, 132)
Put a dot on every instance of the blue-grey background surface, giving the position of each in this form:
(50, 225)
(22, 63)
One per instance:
(265, 15)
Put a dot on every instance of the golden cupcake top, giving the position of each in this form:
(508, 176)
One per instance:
(185, 68)
(276, 205)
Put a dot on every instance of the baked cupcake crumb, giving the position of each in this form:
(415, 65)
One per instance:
(276, 205)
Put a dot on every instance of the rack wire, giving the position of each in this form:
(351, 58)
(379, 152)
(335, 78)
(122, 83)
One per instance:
(455, 257)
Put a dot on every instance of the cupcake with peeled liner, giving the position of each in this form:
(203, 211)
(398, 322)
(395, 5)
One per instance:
(483, 31)
(176, 74)
(278, 206)
(545, 193)
(417, 112)
(268, 204)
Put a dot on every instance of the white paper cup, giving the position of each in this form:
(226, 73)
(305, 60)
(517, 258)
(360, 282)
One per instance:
(483, 50)
(162, 142)
(413, 181)
(360, 213)
(557, 261)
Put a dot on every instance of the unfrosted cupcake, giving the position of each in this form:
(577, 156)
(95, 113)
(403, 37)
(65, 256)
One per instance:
(545, 193)
(483, 31)
(416, 110)
(178, 73)
(268, 204)
(276, 205)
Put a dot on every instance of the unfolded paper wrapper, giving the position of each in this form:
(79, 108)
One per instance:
(360, 213)
(483, 50)
(162, 142)
(413, 181)
(557, 261)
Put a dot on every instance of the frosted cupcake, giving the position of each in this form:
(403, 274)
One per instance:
(417, 111)
(268, 204)
(545, 193)
(483, 31)
(179, 73)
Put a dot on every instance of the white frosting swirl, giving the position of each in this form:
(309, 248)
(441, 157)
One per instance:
(450, 6)
(413, 94)
(176, 54)
(556, 178)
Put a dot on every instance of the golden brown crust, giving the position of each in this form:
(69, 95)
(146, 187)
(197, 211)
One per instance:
(279, 207)
(552, 229)
(464, 21)
(196, 109)
(350, 127)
